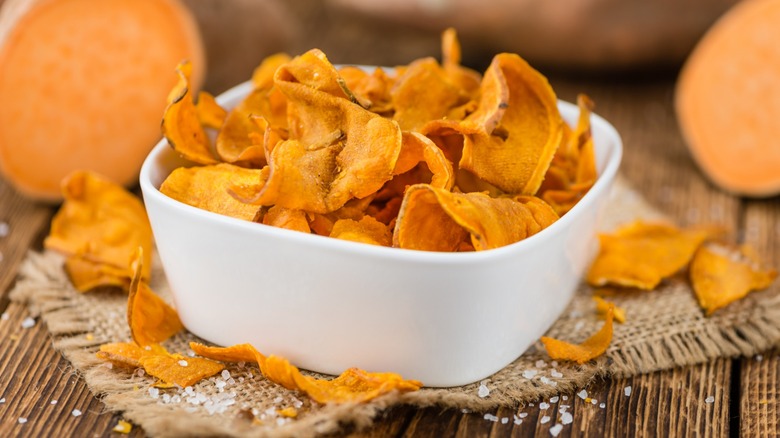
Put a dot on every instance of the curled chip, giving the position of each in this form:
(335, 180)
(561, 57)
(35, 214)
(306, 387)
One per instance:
(209, 188)
(151, 319)
(181, 124)
(353, 385)
(603, 306)
(99, 226)
(591, 348)
(721, 275)
(641, 254)
(366, 230)
(210, 114)
(281, 217)
(434, 219)
(517, 127)
(423, 93)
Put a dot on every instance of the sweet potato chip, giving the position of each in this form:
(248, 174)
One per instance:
(180, 370)
(210, 114)
(151, 319)
(514, 151)
(423, 93)
(465, 79)
(263, 76)
(641, 254)
(181, 125)
(209, 188)
(337, 150)
(603, 306)
(354, 385)
(102, 223)
(366, 230)
(241, 139)
(436, 220)
(591, 348)
(722, 275)
(87, 275)
(281, 217)
(128, 354)
(417, 148)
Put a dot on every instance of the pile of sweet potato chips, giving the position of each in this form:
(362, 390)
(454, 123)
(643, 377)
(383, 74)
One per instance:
(368, 156)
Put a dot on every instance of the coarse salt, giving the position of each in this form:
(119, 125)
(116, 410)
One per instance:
(602, 405)
(709, 399)
(540, 363)
(758, 357)
(4, 229)
(545, 419)
(54, 402)
(28, 322)
(594, 401)
(555, 430)
(544, 405)
(564, 397)
(554, 399)
(183, 363)
(225, 374)
(154, 392)
(490, 417)
(483, 391)
(505, 420)
(22, 420)
(567, 418)
(2, 400)
(555, 373)
(627, 391)
(522, 414)
(76, 413)
(529, 374)
(5, 316)
(582, 394)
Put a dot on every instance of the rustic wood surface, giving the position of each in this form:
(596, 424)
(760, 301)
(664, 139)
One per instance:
(37, 384)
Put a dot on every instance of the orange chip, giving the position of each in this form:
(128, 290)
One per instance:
(87, 275)
(722, 275)
(433, 219)
(518, 134)
(178, 369)
(464, 78)
(210, 114)
(423, 93)
(151, 319)
(263, 76)
(354, 385)
(128, 354)
(417, 148)
(181, 125)
(241, 139)
(336, 150)
(641, 254)
(591, 348)
(366, 230)
(102, 223)
(603, 306)
(209, 188)
(374, 88)
(281, 217)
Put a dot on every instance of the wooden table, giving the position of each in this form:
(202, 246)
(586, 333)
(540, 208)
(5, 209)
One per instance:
(671, 403)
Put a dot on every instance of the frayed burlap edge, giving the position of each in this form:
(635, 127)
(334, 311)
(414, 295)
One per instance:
(745, 329)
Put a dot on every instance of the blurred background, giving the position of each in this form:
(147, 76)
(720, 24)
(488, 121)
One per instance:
(562, 37)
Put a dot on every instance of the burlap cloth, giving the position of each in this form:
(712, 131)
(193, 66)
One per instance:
(664, 329)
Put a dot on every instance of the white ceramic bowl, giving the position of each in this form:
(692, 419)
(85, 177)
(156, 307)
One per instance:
(326, 304)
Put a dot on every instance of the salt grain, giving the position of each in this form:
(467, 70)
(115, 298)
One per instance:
(490, 417)
(2, 400)
(183, 363)
(567, 418)
(5, 316)
(225, 374)
(540, 363)
(4, 229)
(529, 374)
(582, 394)
(518, 421)
(76, 413)
(522, 414)
(556, 374)
(28, 322)
(593, 401)
(627, 391)
(465, 411)
(483, 391)
(709, 399)
(154, 392)
(22, 420)
(564, 397)
(278, 399)
(555, 430)
(545, 419)
(602, 405)
(544, 405)
(758, 357)
(531, 404)
(554, 399)
(505, 420)
(54, 402)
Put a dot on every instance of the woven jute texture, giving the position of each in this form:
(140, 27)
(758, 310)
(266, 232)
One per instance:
(664, 329)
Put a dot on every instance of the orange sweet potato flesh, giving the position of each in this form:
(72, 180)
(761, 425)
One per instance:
(728, 100)
(83, 84)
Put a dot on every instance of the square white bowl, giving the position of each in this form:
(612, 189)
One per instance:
(326, 304)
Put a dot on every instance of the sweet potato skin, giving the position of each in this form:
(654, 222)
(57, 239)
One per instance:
(727, 100)
(83, 86)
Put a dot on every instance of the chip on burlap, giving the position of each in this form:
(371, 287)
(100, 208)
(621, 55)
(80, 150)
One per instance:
(664, 329)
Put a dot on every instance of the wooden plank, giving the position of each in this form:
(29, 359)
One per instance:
(40, 386)
(759, 404)
(25, 221)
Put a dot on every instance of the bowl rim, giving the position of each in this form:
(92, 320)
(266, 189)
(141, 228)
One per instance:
(599, 125)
